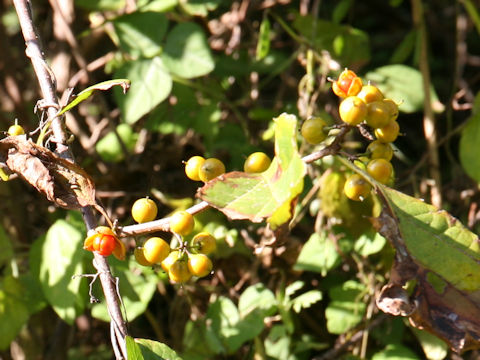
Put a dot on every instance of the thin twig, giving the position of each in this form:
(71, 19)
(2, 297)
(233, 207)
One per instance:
(429, 125)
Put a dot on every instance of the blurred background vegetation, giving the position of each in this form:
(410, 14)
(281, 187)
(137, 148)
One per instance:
(207, 79)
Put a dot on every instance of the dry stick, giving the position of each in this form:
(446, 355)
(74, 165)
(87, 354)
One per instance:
(46, 81)
(429, 127)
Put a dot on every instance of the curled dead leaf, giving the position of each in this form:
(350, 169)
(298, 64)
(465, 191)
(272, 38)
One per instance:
(60, 180)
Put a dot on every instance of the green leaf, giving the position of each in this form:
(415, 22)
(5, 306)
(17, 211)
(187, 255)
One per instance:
(263, 44)
(404, 85)
(341, 10)
(55, 259)
(293, 288)
(101, 5)
(110, 148)
(395, 352)
(199, 7)
(156, 5)
(154, 350)
(344, 43)
(5, 244)
(140, 33)
(266, 195)
(437, 241)
(13, 310)
(226, 331)
(433, 347)
(278, 343)
(346, 309)
(137, 289)
(405, 48)
(133, 350)
(306, 300)
(257, 297)
(85, 94)
(369, 243)
(319, 254)
(187, 53)
(468, 146)
(151, 84)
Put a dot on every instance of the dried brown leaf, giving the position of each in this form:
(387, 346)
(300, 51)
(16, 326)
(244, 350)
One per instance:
(61, 181)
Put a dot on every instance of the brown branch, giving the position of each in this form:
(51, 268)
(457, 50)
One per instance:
(46, 80)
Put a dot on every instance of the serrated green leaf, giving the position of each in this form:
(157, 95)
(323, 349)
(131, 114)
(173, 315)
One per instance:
(266, 195)
(187, 53)
(137, 289)
(150, 85)
(133, 349)
(469, 141)
(346, 309)
(293, 288)
(306, 300)
(85, 94)
(141, 33)
(13, 310)
(404, 85)
(110, 148)
(58, 257)
(154, 350)
(263, 44)
(437, 241)
(319, 254)
(256, 297)
(395, 352)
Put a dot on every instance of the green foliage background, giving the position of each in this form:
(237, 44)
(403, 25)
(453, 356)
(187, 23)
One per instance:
(207, 79)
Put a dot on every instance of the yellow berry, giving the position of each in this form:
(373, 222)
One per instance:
(356, 188)
(353, 110)
(380, 169)
(378, 114)
(15, 130)
(379, 150)
(370, 93)
(210, 169)
(256, 163)
(312, 130)
(179, 272)
(388, 133)
(204, 243)
(156, 250)
(199, 265)
(144, 210)
(140, 257)
(192, 167)
(182, 223)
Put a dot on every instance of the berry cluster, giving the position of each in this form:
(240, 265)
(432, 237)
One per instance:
(366, 104)
(198, 168)
(189, 259)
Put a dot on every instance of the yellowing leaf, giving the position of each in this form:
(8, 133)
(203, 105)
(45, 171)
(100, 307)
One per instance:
(266, 195)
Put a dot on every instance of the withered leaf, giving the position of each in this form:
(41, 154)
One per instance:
(442, 258)
(60, 180)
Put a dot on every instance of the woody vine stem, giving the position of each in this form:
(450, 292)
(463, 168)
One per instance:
(58, 136)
